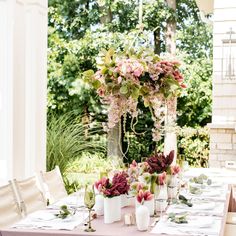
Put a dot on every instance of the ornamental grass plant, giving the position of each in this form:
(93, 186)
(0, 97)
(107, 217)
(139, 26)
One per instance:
(68, 138)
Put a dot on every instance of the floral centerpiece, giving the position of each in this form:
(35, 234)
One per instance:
(136, 170)
(145, 198)
(124, 78)
(119, 185)
(159, 162)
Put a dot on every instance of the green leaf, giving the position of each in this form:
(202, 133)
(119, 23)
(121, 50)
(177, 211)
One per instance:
(104, 70)
(124, 89)
(96, 84)
(88, 73)
(135, 93)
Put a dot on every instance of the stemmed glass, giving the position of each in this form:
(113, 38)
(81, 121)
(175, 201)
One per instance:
(89, 201)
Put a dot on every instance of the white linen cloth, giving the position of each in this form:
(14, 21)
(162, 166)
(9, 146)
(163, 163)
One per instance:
(197, 225)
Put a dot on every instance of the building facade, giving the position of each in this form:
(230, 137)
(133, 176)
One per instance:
(223, 126)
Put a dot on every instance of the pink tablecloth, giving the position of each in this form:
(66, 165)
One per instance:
(115, 229)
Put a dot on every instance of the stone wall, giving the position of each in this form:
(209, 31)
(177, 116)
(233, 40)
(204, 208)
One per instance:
(222, 146)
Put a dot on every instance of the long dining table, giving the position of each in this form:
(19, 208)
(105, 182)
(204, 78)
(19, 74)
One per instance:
(114, 229)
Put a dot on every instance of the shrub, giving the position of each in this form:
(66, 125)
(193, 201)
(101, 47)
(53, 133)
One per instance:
(193, 146)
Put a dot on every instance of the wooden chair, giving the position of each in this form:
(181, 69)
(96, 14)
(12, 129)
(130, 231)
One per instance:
(10, 211)
(30, 196)
(53, 185)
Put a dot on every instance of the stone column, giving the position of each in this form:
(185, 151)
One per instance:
(23, 91)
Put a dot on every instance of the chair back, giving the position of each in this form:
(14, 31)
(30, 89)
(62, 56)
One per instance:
(30, 196)
(53, 185)
(9, 208)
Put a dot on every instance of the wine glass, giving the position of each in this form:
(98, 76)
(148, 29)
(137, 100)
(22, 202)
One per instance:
(89, 201)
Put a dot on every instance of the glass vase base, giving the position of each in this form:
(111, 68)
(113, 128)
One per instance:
(90, 230)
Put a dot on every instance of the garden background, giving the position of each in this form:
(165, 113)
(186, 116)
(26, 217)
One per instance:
(78, 31)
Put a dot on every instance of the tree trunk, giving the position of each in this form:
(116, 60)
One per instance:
(114, 146)
(106, 17)
(170, 142)
(157, 41)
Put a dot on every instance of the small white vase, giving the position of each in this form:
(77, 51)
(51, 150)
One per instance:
(149, 204)
(124, 200)
(112, 209)
(99, 205)
(142, 217)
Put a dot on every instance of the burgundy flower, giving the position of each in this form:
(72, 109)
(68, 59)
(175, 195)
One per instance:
(120, 181)
(159, 162)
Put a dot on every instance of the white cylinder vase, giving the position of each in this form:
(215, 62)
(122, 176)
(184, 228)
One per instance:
(142, 217)
(112, 209)
(99, 205)
(149, 204)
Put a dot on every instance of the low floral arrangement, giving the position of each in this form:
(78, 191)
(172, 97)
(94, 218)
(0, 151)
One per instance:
(144, 195)
(124, 78)
(119, 185)
(159, 163)
(135, 187)
(135, 170)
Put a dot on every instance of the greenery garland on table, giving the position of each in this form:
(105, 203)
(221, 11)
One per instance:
(125, 77)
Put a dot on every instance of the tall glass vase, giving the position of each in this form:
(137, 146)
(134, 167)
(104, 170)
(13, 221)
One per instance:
(161, 198)
(172, 186)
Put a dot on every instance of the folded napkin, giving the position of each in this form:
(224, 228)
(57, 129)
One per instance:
(43, 221)
(209, 194)
(70, 201)
(197, 225)
(43, 215)
(204, 208)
